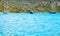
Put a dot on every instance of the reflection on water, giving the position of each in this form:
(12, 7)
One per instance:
(29, 24)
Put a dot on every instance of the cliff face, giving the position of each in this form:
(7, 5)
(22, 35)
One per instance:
(30, 1)
(33, 0)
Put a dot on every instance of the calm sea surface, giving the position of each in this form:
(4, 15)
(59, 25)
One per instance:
(23, 24)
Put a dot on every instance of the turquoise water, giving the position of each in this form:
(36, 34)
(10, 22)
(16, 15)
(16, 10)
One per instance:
(30, 24)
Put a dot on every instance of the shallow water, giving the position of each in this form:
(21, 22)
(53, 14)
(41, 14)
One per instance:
(30, 24)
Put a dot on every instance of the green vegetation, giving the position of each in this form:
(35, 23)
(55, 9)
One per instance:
(41, 7)
(58, 9)
(0, 0)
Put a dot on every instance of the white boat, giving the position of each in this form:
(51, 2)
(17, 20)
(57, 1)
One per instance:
(5, 12)
(31, 11)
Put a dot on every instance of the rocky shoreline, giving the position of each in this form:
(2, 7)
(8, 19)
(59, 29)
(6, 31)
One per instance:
(42, 6)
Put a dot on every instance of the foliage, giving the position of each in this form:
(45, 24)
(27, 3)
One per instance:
(41, 7)
(58, 9)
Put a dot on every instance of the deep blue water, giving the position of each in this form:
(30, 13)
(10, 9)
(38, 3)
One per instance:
(30, 24)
